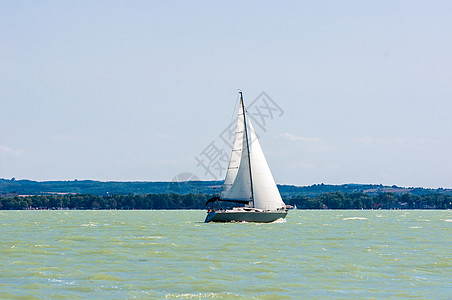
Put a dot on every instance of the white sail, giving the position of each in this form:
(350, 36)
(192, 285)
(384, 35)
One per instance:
(266, 194)
(237, 185)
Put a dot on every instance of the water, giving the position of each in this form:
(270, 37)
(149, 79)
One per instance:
(173, 255)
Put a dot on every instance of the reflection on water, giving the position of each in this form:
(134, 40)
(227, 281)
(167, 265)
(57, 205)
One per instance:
(172, 254)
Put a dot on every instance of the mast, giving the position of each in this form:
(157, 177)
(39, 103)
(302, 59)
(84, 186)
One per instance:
(247, 146)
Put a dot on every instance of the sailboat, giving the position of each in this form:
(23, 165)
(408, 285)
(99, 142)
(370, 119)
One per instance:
(248, 180)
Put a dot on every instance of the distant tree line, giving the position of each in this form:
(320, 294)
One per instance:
(101, 188)
(87, 201)
(335, 200)
(339, 200)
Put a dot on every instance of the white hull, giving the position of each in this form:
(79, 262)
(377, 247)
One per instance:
(244, 216)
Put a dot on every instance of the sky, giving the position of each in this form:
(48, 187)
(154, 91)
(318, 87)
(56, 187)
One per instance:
(143, 90)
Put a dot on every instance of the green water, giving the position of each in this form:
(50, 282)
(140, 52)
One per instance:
(173, 255)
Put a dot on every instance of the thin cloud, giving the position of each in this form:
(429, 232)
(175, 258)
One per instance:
(401, 141)
(295, 138)
(310, 143)
(5, 150)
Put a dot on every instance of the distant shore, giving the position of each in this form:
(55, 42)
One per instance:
(334, 200)
(104, 188)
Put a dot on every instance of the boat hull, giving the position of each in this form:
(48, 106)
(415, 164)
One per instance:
(245, 216)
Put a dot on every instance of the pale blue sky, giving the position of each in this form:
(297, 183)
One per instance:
(136, 90)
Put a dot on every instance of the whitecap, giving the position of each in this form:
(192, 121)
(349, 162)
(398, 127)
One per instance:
(149, 237)
(191, 296)
(61, 281)
(355, 218)
(280, 220)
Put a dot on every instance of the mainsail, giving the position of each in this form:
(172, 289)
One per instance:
(237, 185)
(248, 177)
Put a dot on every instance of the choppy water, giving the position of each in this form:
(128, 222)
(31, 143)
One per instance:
(172, 254)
